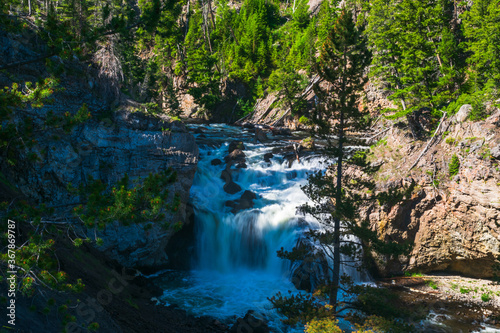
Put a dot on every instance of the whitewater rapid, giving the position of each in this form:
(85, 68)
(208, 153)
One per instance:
(236, 268)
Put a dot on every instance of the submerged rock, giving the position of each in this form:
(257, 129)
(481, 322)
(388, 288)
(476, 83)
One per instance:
(307, 274)
(216, 162)
(226, 176)
(244, 202)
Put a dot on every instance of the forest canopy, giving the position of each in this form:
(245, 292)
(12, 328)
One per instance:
(430, 55)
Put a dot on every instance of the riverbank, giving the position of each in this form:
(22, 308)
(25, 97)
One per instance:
(118, 300)
(455, 303)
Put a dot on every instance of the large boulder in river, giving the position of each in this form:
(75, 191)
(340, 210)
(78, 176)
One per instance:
(246, 200)
(260, 135)
(236, 156)
(233, 145)
(307, 274)
(231, 187)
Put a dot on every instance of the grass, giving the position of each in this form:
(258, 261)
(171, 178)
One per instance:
(485, 297)
(432, 284)
(464, 290)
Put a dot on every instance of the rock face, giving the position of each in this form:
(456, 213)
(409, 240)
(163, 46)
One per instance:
(307, 274)
(134, 145)
(107, 147)
(452, 220)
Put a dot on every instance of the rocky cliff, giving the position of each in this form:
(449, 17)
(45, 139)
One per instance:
(119, 139)
(453, 213)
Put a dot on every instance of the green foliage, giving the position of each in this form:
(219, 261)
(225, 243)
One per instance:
(300, 308)
(454, 165)
(450, 141)
(305, 121)
(464, 290)
(324, 325)
(147, 201)
(481, 29)
(35, 261)
(486, 297)
(424, 65)
(288, 86)
(334, 196)
(432, 284)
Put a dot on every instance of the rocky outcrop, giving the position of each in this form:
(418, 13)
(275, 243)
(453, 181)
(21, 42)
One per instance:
(452, 220)
(107, 147)
(132, 144)
(309, 273)
(252, 322)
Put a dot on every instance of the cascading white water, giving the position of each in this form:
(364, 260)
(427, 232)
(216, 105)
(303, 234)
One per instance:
(237, 267)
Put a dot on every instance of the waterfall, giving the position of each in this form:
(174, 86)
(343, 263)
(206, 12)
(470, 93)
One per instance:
(237, 267)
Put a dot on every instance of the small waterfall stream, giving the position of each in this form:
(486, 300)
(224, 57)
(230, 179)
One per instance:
(237, 268)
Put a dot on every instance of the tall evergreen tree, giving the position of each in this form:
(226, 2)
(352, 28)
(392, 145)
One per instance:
(416, 54)
(482, 28)
(342, 60)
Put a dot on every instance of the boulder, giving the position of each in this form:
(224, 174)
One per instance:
(236, 156)
(226, 176)
(260, 135)
(216, 162)
(241, 165)
(281, 131)
(233, 145)
(307, 274)
(268, 156)
(231, 187)
(244, 202)
(495, 152)
(463, 113)
(252, 322)
(248, 125)
(308, 143)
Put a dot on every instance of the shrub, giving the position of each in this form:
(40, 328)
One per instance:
(454, 165)
(323, 325)
(485, 297)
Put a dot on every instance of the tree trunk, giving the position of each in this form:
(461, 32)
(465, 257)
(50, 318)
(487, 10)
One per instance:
(336, 231)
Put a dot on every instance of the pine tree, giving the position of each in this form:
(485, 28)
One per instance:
(481, 27)
(342, 60)
(336, 196)
(416, 54)
(200, 63)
